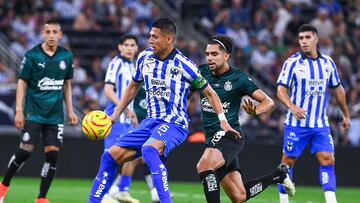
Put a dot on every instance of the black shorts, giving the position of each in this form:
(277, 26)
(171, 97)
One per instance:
(49, 133)
(230, 147)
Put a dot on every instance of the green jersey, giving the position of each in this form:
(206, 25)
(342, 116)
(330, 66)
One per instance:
(45, 76)
(231, 86)
(140, 104)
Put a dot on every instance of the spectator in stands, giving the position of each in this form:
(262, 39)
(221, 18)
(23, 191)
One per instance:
(341, 40)
(238, 11)
(86, 20)
(20, 45)
(7, 75)
(23, 24)
(354, 135)
(323, 23)
(67, 10)
(142, 8)
(96, 73)
(95, 93)
(262, 58)
(237, 32)
(283, 17)
(215, 16)
(80, 75)
(355, 38)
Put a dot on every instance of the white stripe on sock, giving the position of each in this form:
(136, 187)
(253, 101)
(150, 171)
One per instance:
(330, 197)
(284, 198)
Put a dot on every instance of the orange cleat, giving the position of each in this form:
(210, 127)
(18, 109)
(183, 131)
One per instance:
(3, 190)
(42, 200)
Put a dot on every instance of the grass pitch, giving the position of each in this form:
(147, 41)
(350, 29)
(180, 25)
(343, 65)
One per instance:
(25, 190)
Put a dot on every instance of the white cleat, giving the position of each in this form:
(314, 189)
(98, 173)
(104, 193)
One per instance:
(108, 199)
(125, 197)
(154, 196)
(287, 183)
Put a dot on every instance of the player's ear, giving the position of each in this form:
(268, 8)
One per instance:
(227, 56)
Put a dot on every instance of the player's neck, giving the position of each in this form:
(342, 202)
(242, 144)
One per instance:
(166, 53)
(313, 54)
(225, 68)
(50, 50)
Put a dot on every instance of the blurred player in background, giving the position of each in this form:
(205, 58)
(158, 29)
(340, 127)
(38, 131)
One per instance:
(219, 163)
(303, 86)
(44, 84)
(167, 75)
(118, 77)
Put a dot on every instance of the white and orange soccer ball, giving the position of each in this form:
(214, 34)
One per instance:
(96, 125)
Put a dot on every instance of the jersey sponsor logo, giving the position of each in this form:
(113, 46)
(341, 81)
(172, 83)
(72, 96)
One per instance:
(315, 92)
(158, 82)
(101, 187)
(211, 183)
(164, 177)
(62, 65)
(42, 65)
(206, 106)
(256, 189)
(50, 84)
(159, 93)
(227, 86)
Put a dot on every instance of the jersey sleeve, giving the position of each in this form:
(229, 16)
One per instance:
(25, 68)
(110, 77)
(193, 75)
(137, 75)
(334, 80)
(286, 73)
(70, 71)
(247, 85)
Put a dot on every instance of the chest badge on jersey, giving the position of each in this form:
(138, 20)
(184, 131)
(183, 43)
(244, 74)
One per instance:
(227, 86)
(62, 65)
(327, 70)
(173, 72)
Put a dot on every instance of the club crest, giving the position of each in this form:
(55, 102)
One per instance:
(62, 65)
(227, 86)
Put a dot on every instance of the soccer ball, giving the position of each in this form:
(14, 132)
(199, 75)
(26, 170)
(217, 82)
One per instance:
(96, 125)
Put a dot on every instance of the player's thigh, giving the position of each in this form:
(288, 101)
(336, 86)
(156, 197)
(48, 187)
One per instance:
(117, 130)
(321, 141)
(295, 140)
(52, 135)
(211, 159)
(233, 185)
(128, 168)
(229, 146)
(168, 136)
(31, 135)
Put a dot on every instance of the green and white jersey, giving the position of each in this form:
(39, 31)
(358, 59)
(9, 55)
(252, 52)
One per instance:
(45, 76)
(231, 86)
(140, 104)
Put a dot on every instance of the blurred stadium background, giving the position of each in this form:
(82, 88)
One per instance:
(265, 33)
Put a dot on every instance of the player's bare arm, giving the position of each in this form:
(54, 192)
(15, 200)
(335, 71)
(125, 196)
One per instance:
(110, 93)
(68, 102)
(20, 95)
(129, 95)
(339, 93)
(282, 94)
(266, 103)
(215, 102)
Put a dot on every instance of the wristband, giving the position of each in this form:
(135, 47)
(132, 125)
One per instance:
(222, 116)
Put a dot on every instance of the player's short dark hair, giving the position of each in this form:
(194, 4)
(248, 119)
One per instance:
(226, 43)
(307, 28)
(53, 22)
(165, 25)
(126, 37)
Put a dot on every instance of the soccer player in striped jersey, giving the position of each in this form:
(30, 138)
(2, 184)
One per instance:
(303, 86)
(168, 76)
(219, 163)
(118, 77)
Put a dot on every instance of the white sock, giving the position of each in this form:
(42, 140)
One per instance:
(330, 197)
(284, 198)
(149, 181)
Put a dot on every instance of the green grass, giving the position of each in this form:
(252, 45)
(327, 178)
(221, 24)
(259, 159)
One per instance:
(24, 190)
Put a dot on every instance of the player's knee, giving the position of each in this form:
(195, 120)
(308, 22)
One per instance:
(51, 158)
(290, 161)
(148, 152)
(20, 157)
(202, 165)
(27, 147)
(238, 197)
(326, 159)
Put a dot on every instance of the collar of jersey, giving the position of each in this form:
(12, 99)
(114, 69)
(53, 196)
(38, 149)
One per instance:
(124, 58)
(171, 55)
(56, 51)
(303, 56)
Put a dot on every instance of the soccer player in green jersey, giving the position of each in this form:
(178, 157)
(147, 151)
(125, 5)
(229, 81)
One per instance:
(44, 84)
(219, 163)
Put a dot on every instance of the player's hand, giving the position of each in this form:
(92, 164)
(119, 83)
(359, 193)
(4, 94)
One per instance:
(346, 122)
(114, 117)
(298, 112)
(227, 128)
(73, 118)
(249, 107)
(19, 120)
(133, 119)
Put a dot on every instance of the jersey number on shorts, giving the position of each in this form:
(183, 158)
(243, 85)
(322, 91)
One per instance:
(163, 128)
(60, 131)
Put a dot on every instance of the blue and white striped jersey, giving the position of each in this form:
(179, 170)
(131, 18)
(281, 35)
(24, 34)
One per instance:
(119, 74)
(167, 84)
(308, 81)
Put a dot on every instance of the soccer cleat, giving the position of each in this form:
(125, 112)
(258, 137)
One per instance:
(3, 190)
(42, 200)
(286, 181)
(108, 199)
(125, 197)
